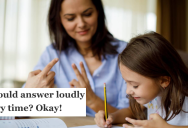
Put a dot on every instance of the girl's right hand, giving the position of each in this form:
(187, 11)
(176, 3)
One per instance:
(100, 121)
(42, 79)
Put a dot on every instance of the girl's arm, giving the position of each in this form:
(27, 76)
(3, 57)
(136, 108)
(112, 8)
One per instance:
(173, 126)
(155, 121)
(117, 117)
(120, 115)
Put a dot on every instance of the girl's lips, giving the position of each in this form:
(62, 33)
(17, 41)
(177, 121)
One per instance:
(83, 32)
(136, 98)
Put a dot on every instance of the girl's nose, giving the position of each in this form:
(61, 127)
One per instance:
(129, 91)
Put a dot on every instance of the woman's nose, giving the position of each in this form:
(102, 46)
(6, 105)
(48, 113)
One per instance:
(81, 22)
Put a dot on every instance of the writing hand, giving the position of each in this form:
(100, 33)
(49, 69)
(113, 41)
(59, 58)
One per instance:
(99, 119)
(42, 79)
(155, 121)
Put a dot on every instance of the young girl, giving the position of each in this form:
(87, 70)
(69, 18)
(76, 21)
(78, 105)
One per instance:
(157, 79)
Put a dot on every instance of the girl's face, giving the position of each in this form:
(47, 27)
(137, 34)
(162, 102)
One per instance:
(79, 18)
(142, 88)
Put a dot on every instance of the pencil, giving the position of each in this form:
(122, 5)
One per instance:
(105, 102)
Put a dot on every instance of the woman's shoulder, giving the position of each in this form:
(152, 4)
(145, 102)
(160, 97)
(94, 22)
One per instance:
(185, 105)
(51, 48)
(120, 44)
(49, 51)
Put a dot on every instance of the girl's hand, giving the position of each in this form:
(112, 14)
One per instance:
(83, 82)
(155, 121)
(99, 119)
(42, 79)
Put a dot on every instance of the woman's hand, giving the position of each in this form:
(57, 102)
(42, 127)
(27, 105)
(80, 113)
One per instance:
(83, 82)
(155, 121)
(42, 79)
(99, 119)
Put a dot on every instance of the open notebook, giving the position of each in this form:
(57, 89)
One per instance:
(40, 123)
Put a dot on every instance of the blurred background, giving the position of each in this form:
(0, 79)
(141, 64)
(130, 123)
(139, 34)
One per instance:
(24, 32)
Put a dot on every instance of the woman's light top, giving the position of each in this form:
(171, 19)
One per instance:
(108, 73)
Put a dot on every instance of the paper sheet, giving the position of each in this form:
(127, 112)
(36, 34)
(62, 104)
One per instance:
(33, 123)
(93, 126)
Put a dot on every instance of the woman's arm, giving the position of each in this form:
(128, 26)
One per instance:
(43, 73)
(96, 104)
(42, 79)
(92, 100)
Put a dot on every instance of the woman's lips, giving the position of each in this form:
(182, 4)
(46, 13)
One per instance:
(83, 32)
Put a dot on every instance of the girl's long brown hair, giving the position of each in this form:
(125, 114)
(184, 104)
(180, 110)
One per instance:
(151, 55)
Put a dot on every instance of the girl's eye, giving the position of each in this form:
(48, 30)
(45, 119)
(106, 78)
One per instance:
(88, 14)
(135, 86)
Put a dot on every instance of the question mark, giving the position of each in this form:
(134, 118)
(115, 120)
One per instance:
(31, 106)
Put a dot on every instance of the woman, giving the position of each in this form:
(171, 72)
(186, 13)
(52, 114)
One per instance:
(80, 37)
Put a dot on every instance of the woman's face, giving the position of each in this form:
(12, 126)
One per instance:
(79, 18)
(142, 88)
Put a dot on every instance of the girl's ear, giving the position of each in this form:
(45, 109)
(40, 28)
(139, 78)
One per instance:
(165, 81)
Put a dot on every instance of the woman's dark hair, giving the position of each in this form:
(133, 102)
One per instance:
(100, 41)
(151, 55)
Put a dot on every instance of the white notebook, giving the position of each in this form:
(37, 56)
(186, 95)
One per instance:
(40, 123)
(93, 126)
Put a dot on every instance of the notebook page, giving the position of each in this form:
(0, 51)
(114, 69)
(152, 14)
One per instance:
(93, 126)
(7, 117)
(33, 123)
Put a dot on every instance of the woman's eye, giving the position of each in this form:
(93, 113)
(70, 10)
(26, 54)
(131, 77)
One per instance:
(135, 86)
(70, 19)
(88, 14)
